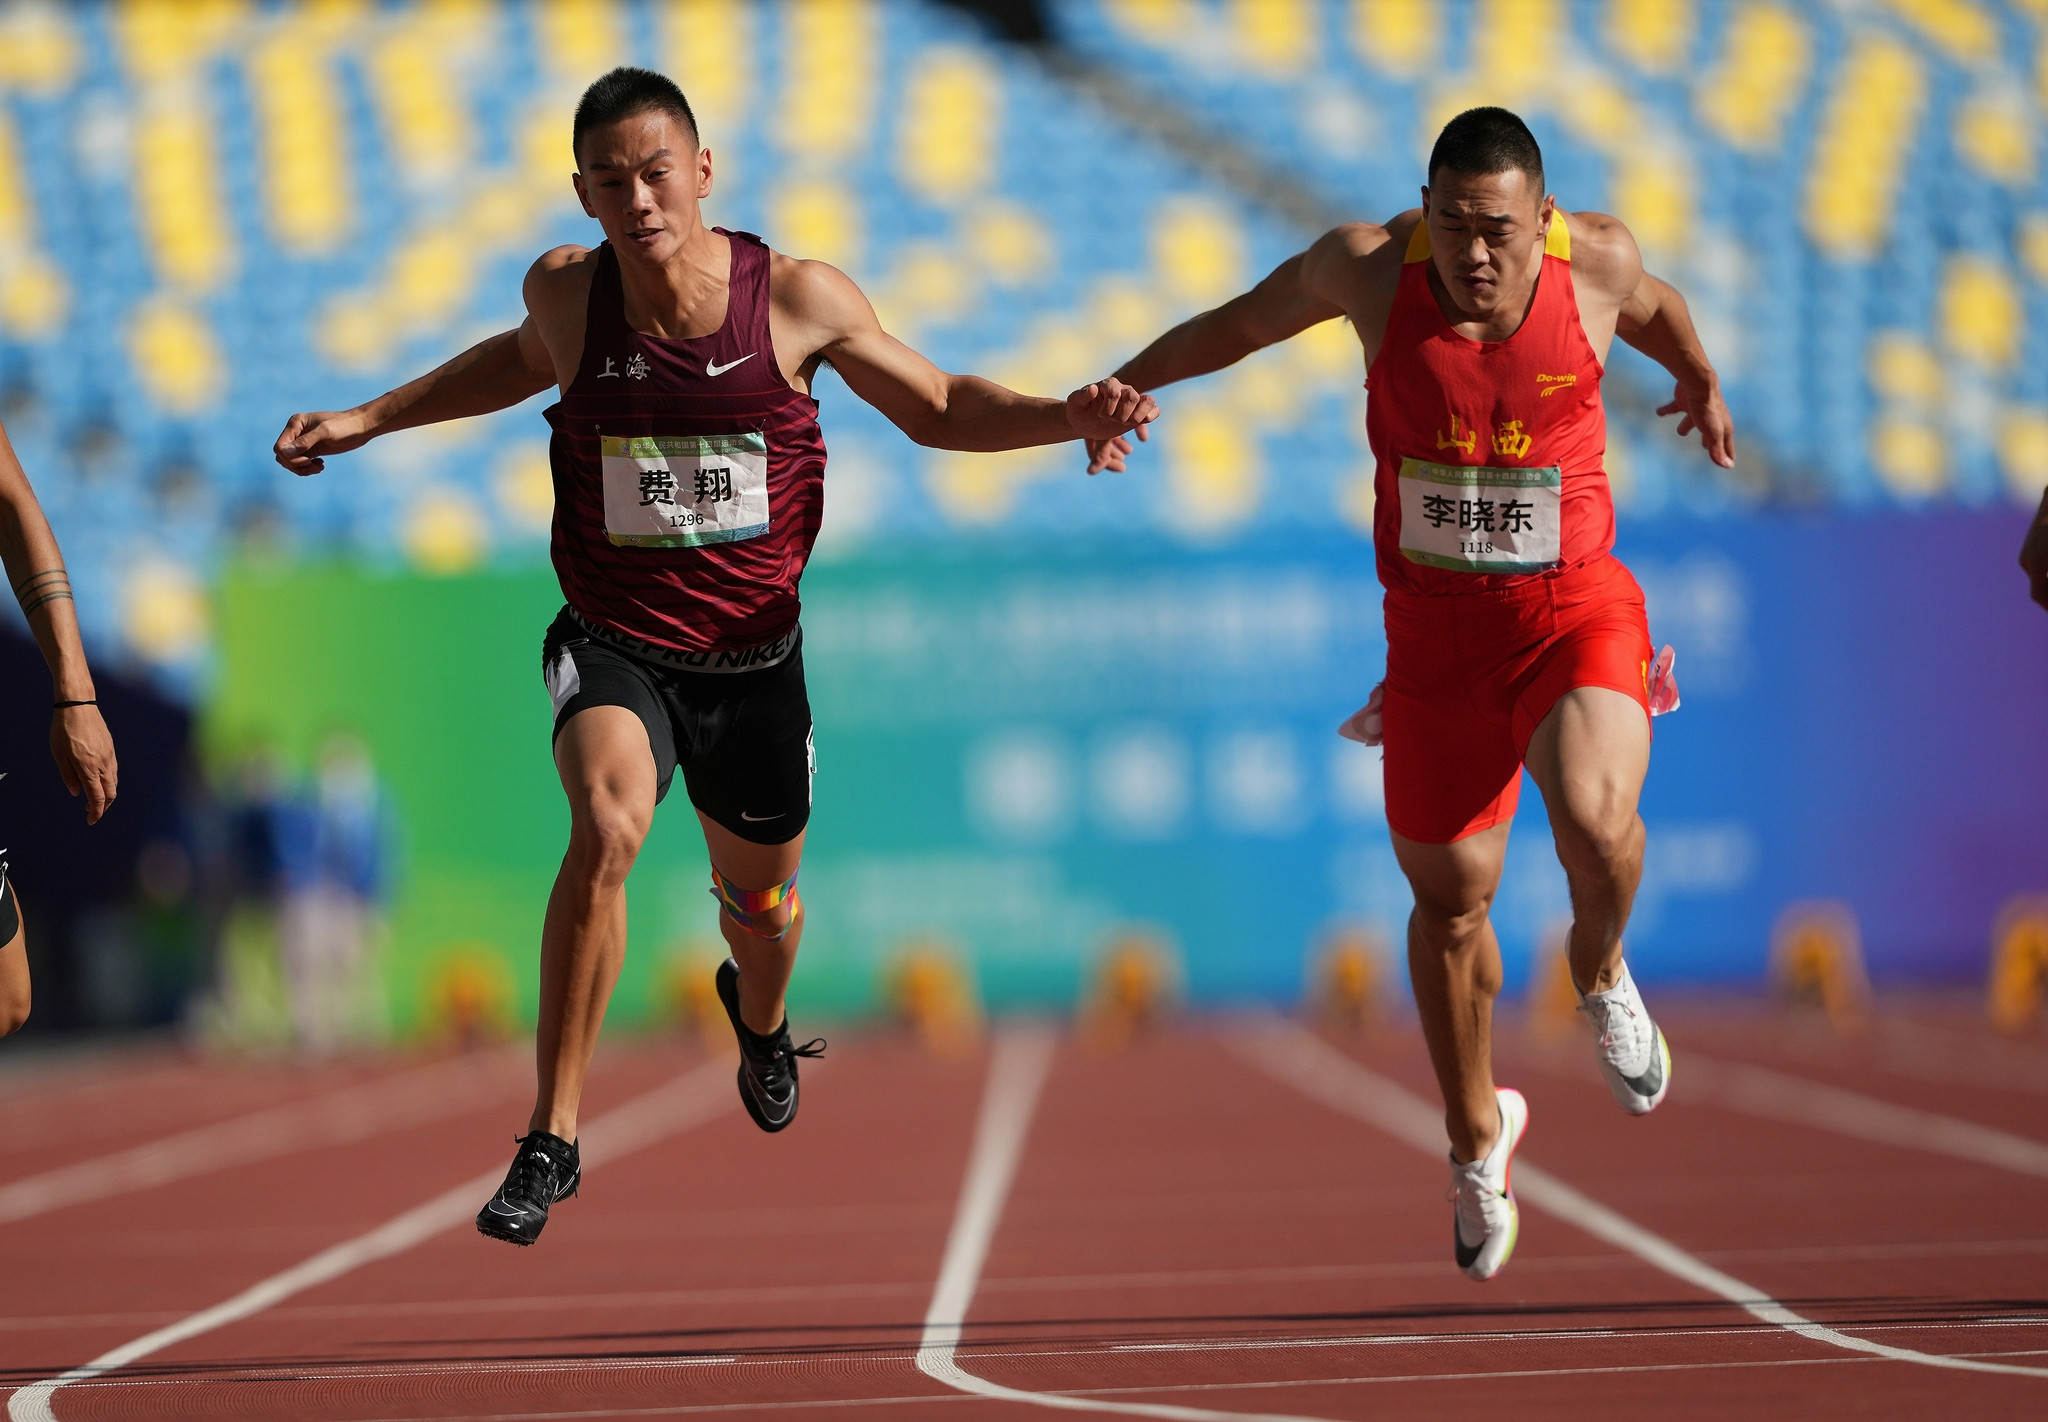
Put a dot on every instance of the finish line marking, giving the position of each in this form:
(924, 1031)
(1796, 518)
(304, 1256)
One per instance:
(687, 1101)
(1017, 1069)
(1312, 1066)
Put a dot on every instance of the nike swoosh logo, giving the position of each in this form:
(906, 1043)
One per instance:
(498, 1209)
(756, 819)
(712, 367)
(1651, 1081)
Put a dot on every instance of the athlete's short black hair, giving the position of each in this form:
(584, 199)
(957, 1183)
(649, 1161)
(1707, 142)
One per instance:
(1487, 140)
(623, 93)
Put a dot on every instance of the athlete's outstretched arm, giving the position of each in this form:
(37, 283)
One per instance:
(79, 742)
(1655, 320)
(937, 409)
(1296, 295)
(494, 374)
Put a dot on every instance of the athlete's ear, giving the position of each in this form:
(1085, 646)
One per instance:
(703, 174)
(1546, 213)
(582, 193)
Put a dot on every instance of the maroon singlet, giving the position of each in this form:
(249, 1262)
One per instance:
(716, 596)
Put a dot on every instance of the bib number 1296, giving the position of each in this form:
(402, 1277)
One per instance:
(682, 491)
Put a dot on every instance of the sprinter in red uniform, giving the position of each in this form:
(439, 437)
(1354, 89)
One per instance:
(1513, 635)
(689, 486)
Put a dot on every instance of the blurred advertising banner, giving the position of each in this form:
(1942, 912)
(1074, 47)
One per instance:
(1025, 756)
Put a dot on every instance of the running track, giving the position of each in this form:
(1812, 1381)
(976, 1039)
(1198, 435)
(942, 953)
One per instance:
(1233, 1218)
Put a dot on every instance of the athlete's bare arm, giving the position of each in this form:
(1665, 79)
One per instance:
(493, 374)
(1349, 272)
(1649, 314)
(79, 742)
(820, 317)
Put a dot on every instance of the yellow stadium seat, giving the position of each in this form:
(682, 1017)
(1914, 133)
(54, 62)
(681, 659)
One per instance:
(710, 45)
(1356, 499)
(1982, 318)
(1858, 158)
(2023, 452)
(1598, 109)
(1328, 356)
(951, 123)
(1398, 36)
(419, 96)
(830, 74)
(1160, 22)
(977, 490)
(1759, 79)
(1904, 369)
(1516, 43)
(302, 126)
(1274, 36)
(34, 297)
(1968, 32)
(1654, 35)
(525, 484)
(1123, 314)
(161, 39)
(818, 219)
(2033, 245)
(40, 49)
(580, 39)
(1910, 455)
(174, 351)
(444, 533)
(1652, 193)
(164, 611)
(928, 284)
(17, 203)
(1198, 251)
(354, 331)
(1214, 472)
(1013, 247)
(1995, 133)
(178, 189)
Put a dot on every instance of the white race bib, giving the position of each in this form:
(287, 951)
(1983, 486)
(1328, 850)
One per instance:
(1475, 520)
(679, 491)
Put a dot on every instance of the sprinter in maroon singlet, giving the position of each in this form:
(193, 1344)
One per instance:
(1513, 634)
(689, 474)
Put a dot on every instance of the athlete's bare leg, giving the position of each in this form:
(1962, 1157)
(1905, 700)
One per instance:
(1454, 962)
(1589, 757)
(765, 964)
(14, 986)
(607, 771)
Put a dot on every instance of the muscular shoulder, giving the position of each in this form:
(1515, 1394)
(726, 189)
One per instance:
(1359, 255)
(560, 280)
(817, 294)
(1604, 253)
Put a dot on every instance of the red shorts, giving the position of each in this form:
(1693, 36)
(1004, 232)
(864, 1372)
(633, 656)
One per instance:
(1470, 677)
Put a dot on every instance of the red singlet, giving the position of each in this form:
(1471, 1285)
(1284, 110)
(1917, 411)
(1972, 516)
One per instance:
(689, 476)
(1493, 531)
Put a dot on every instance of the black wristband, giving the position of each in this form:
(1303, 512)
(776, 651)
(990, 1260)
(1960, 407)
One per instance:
(57, 704)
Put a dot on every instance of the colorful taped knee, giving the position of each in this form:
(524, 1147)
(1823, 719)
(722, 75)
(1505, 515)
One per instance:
(743, 905)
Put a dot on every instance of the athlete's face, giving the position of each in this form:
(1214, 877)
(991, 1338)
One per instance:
(1485, 230)
(642, 179)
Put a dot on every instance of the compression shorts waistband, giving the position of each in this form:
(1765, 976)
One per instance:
(744, 659)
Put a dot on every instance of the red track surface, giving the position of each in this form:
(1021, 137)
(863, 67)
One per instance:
(1183, 1229)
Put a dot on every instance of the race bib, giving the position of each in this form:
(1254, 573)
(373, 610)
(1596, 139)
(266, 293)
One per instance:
(1481, 520)
(679, 491)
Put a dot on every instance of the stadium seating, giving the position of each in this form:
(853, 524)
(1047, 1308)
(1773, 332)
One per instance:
(213, 213)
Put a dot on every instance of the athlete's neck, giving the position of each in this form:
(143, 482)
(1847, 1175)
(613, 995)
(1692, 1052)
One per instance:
(683, 296)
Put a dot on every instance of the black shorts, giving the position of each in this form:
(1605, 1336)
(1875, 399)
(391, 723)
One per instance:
(742, 738)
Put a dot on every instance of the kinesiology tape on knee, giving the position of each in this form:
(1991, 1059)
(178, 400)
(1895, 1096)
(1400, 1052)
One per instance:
(744, 905)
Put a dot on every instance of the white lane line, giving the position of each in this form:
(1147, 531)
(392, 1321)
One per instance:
(687, 1101)
(1759, 1091)
(353, 1113)
(1017, 1069)
(1310, 1065)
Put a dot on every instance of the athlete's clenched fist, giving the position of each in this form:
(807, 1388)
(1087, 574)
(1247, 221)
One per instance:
(1108, 409)
(308, 438)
